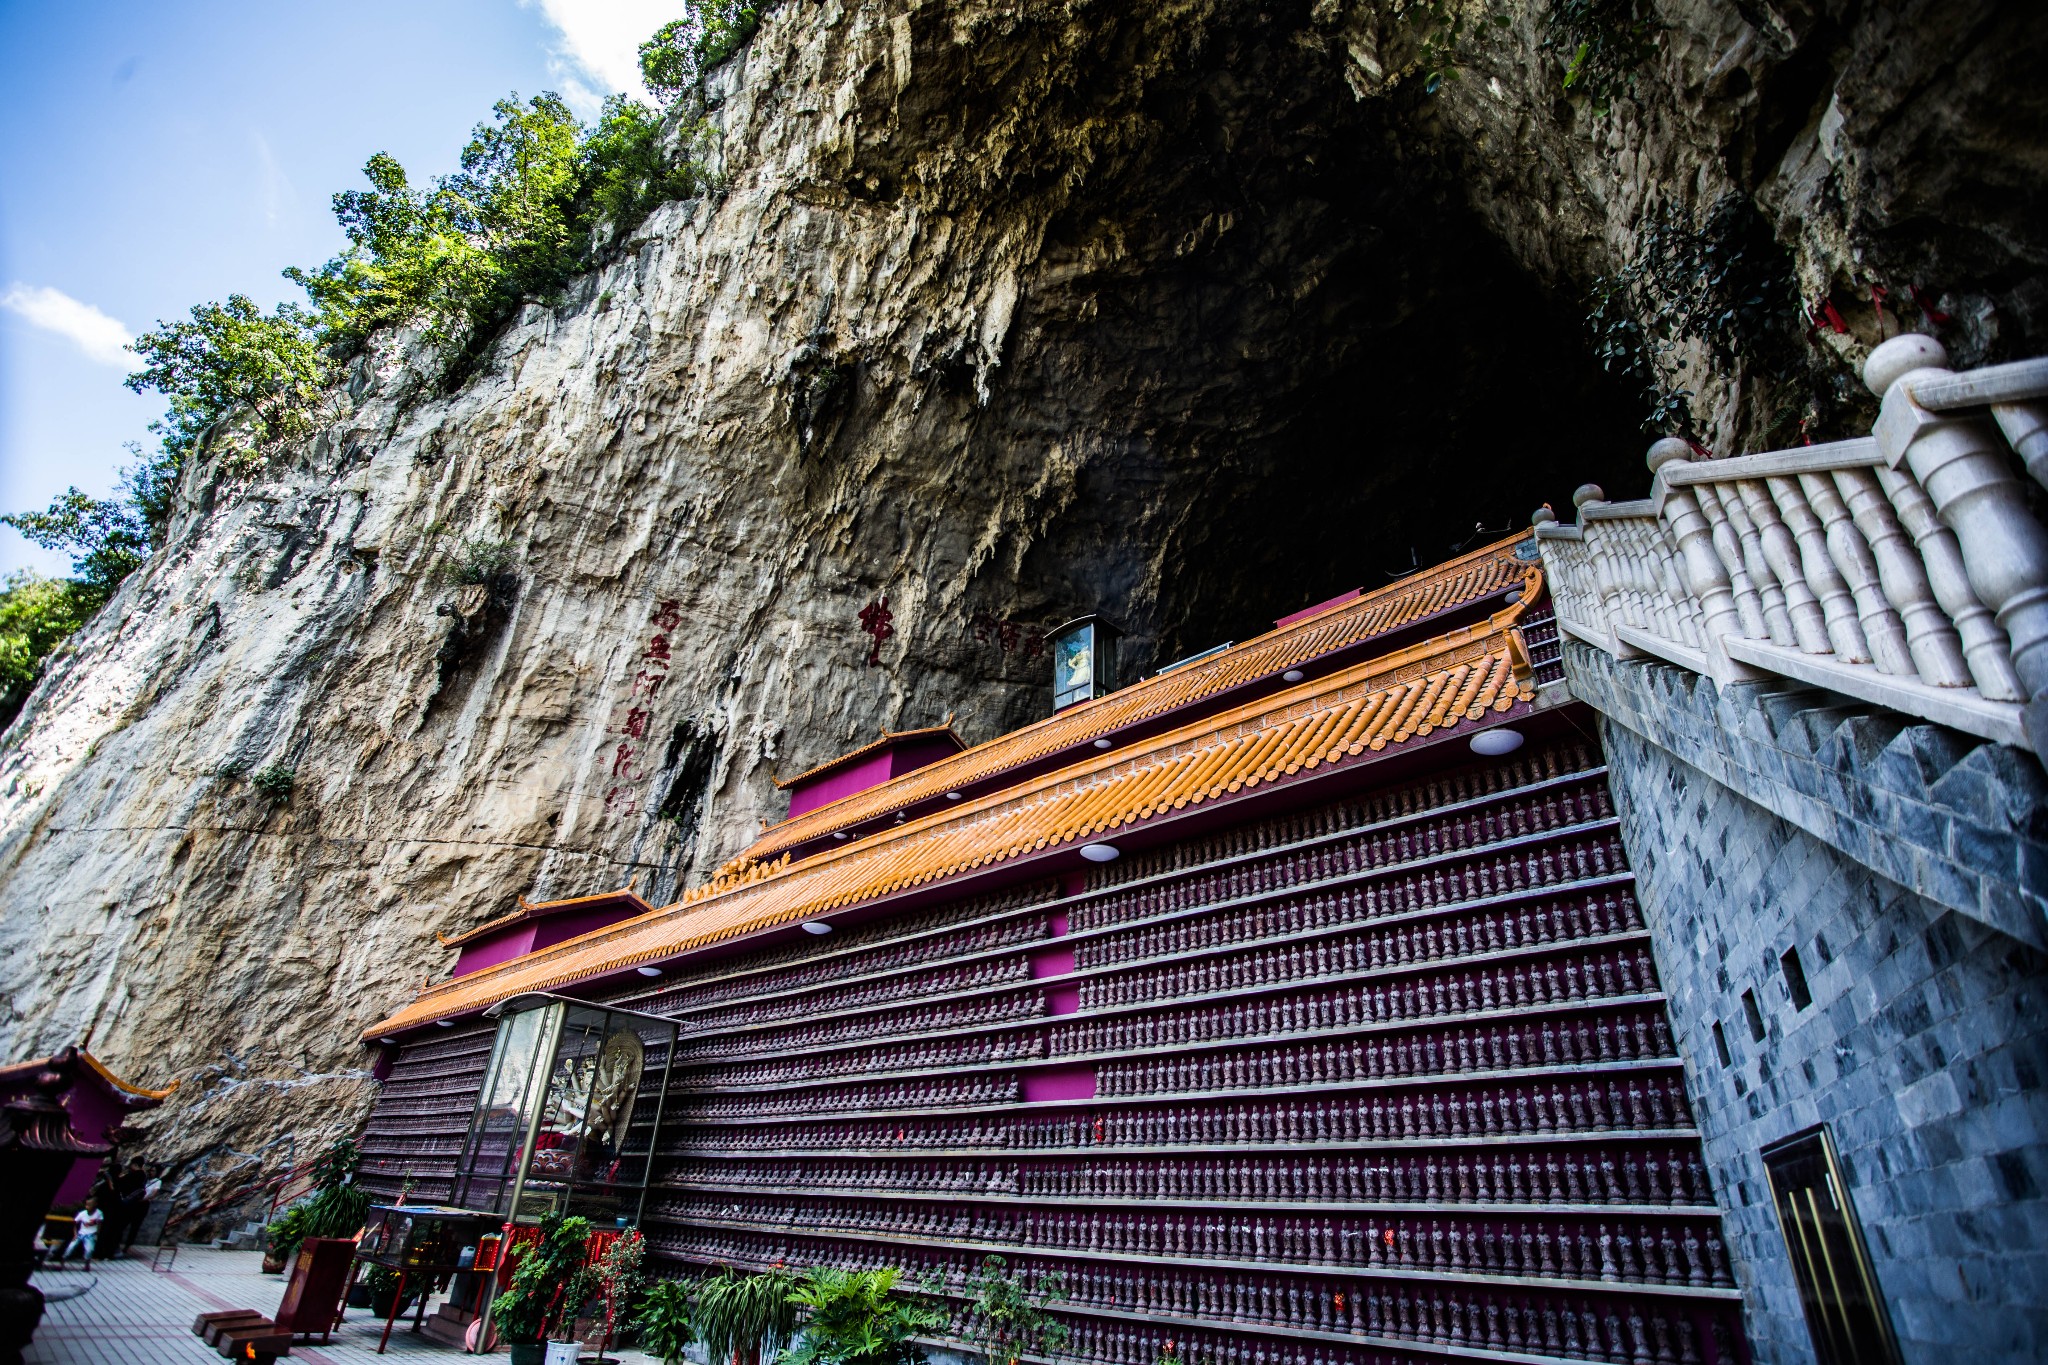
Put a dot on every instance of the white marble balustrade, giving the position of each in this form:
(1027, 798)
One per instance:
(1906, 568)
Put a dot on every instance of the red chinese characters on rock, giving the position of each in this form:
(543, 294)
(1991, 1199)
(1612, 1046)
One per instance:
(649, 674)
(875, 619)
(1008, 634)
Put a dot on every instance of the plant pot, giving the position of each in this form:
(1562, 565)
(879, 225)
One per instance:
(529, 1353)
(272, 1264)
(388, 1305)
(563, 1352)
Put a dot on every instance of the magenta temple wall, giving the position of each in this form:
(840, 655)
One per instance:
(891, 761)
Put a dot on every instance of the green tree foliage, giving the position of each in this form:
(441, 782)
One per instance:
(228, 358)
(1610, 41)
(336, 1207)
(674, 61)
(1718, 280)
(105, 539)
(536, 199)
(543, 1287)
(858, 1317)
(1010, 1317)
(36, 615)
(664, 1321)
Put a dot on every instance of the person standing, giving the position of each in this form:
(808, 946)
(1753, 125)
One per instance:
(85, 1232)
(106, 1193)
(140, 1187)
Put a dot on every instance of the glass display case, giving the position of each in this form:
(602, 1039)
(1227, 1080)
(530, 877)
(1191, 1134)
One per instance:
(566, 1118)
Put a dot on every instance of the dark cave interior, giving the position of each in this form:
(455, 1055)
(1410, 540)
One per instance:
(1296, 360)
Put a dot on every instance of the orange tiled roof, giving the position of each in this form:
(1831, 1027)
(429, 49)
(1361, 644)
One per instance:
(538, 910)
(1483, 572)
(1438, 683)
(888, 737)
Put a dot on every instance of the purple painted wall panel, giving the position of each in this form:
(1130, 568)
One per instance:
(872, 771)
(1052, 962)
(516, 941)
(1066, 1083)
(857, 777)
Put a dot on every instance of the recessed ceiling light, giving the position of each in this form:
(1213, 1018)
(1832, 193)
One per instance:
(1494, 743)
(1101, 853)
(813, 926)
(444, 1023)
(1293, 675)
(952, 796)
(389, 1042)
(1102, 744)
(648, 971)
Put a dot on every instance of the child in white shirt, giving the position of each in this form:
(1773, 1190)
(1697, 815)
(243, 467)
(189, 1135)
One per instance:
(85, 1231)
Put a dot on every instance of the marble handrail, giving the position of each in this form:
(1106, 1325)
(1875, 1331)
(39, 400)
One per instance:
(1905, 568)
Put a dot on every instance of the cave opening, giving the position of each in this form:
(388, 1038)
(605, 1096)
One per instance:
(1290, 356)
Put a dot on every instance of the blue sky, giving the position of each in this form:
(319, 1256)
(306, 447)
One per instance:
(154, 156)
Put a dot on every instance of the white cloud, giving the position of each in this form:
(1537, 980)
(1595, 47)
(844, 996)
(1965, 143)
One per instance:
(274, 186)
(599, 51)
(102, 338)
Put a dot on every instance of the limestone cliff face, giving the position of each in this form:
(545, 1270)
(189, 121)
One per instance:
(1190, 312)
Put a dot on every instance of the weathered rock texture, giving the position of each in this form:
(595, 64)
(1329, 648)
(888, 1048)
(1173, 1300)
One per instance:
(1190, 312)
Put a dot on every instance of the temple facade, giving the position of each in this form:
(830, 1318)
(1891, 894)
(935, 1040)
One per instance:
(1625, 942)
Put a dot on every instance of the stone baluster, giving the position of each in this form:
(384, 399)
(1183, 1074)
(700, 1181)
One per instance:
(1606, 565)
(1684, 616)
(1845, 633)
(1932, 641)
(1781, 549)
(1961, 465)
(1749, 601)
(1882, 629)
(1706, 577)
(1985, 648)
(2026, 426)
(1770, 594)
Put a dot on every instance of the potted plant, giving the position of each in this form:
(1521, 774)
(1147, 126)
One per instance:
(857, 1317)
(742, 1318)
(665, 1320)
(380, 1282)
(1009, 1319)
(617, 1277)
(336, 1207)
(549, 1283)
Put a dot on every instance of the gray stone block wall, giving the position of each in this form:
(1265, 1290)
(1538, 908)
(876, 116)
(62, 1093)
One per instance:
(1925, 1045)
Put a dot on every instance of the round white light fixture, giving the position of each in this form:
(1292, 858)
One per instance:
(952, 796)
(1102, 743)
(444, 1023)
(1293, 675)
(648, 971)
(388, 1042)
(1101, 853)
(1494, 743)
(813, 926)
(839, 834)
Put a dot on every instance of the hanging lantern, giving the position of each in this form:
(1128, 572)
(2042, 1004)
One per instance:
(1083, 660)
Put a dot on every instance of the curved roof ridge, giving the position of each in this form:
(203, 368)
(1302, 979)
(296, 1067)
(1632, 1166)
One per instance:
(1468, 578)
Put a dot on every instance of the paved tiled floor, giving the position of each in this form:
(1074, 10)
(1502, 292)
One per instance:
(132, 1315)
